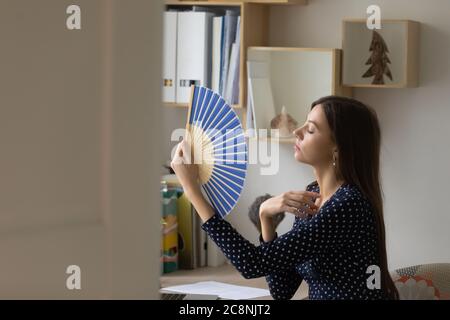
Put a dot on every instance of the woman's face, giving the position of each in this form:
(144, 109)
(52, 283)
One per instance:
(314, 144)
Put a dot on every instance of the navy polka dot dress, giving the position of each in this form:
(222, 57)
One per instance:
(331, 251)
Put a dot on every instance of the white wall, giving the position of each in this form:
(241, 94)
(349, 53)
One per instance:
(415, 148)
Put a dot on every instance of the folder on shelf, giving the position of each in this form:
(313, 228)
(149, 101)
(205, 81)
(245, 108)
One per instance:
(230, 25)
(169, 253)
(192, 240)
(232, 86)
(169, 56)
(193, 52)
(200, 241)
(217, 40)
(186, 234)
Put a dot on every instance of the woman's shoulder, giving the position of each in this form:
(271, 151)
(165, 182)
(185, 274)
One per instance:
(351, 196)
(351, 191)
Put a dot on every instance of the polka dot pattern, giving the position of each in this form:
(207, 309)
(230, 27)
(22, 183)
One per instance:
(331, 251)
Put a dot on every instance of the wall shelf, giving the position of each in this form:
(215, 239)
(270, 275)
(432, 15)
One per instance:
(394, 49)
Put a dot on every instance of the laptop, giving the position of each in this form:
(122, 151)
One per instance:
(168, 295)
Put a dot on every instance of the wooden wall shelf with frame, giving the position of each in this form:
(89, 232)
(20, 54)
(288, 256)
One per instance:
(394, 48)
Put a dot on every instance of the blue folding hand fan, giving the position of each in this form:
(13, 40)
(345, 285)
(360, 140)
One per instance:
(218, 146)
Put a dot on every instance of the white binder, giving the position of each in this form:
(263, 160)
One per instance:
(232, 87)
(216, 64)
(193, 52)
(170, 56)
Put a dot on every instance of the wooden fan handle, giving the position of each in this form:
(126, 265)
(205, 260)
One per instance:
(188, 125)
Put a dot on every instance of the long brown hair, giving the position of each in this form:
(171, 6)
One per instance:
(356, 132)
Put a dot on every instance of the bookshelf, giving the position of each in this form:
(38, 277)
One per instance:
(254, 31)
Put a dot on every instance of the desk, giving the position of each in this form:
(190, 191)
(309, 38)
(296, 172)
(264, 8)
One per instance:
(226, 274)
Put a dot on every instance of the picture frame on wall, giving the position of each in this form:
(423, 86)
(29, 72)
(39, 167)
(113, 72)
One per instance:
(385, 58)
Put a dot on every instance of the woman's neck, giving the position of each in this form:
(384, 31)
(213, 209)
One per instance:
(328, 183)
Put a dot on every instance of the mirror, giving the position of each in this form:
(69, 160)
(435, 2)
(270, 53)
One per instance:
(290, 77)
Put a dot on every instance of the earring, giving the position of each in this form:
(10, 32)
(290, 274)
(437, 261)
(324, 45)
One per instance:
(334, 161)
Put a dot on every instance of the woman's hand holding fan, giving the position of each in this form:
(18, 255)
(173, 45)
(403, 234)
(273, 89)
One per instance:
(185, 169)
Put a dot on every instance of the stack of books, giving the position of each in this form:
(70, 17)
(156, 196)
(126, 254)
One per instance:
(201, 47)
(195, 249)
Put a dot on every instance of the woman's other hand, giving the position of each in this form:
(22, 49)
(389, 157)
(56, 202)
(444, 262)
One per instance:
(299, 203)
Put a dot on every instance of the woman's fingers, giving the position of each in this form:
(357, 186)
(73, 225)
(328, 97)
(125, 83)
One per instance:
(182, 153)
(308, 194)
(177, 157)
(179, 151)
(186, 148)
(301, 206)
(301, 198)
(290, 209)
(297, 212)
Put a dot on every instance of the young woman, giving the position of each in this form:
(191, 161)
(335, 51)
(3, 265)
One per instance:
(338, 233)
